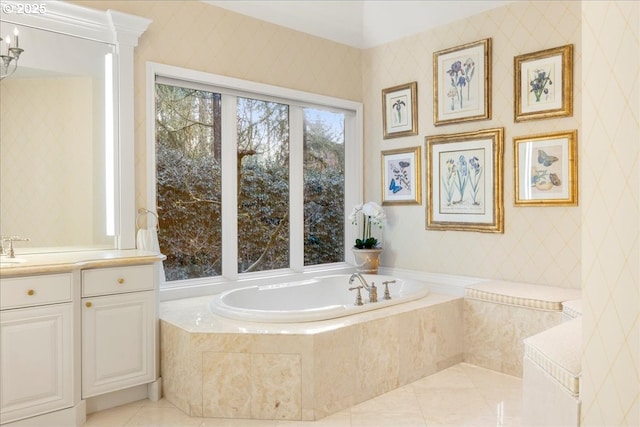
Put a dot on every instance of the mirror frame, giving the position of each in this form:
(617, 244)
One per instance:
(123, 31)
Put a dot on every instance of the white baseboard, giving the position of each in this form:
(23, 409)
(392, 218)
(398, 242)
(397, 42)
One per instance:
(151, 391)
(74, 416)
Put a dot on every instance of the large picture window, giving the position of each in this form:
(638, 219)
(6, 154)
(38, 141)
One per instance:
(247, 182)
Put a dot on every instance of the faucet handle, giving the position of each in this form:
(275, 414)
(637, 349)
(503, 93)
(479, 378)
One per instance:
(373, 293)
(358, 295)
(387, 295)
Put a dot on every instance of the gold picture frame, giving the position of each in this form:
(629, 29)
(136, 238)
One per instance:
(400, 110)
(402, 176)
(546, 169)
(462, 83)
(543, 84)
(464, 181)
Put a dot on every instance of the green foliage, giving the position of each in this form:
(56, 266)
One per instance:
(188, 147)
(369, 243)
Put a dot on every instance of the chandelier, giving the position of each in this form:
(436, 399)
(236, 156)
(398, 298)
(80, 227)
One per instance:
(9, 62)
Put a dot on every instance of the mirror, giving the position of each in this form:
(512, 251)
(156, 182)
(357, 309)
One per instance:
(55, 139)
(66, 128)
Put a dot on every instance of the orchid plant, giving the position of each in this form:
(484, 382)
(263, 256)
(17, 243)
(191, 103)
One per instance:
(367, 215)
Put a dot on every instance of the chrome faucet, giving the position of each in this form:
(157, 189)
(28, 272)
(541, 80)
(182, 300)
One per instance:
(372, 289)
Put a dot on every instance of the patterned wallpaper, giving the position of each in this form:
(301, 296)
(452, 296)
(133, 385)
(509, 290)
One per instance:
(610, 382)
(539, 245)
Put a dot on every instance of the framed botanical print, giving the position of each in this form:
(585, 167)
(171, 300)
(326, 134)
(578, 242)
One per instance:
(401, 177)
(464, 181)
(462, 83)
(400, 110)
(546, 169)
(543, 84)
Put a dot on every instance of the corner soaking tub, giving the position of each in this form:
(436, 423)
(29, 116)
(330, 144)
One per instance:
(309, 300)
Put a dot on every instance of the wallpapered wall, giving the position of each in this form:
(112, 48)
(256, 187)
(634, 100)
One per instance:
(539, 245)
(610, 382)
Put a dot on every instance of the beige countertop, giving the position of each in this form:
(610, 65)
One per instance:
(60, 262)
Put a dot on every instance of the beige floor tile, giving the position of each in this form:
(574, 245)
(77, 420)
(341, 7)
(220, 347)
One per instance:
(463, 395)
(229, 422)
(453, 406)
(117, 416)
(163, 417)
(162, 403)
(453, 377)
(339, 419)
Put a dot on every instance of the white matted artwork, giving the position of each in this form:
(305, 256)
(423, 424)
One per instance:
(401, 177)
(462, 83)
(545, 169)
(464, 181)
(400, 110)
(543, 84)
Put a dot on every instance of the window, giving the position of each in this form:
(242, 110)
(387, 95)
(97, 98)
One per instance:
(249, 181)
(323, 187)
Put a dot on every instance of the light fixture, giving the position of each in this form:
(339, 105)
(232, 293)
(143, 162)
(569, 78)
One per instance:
(9, 63)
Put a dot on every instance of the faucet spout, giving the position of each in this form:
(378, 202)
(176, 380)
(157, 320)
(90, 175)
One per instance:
(359, 276)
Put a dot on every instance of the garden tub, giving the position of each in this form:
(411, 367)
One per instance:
(320, 298)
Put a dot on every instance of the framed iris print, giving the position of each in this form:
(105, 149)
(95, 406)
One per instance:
(401, 177)
(543, 84)
(462, 83)
(546, 169)
(464, 181)
(400, 110)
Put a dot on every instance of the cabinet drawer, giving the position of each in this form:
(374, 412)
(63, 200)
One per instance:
(35, 290)
(104, 281)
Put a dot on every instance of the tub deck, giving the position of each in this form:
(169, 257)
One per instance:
(218, 367)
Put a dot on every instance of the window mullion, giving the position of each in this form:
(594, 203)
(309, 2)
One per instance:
(296, 188)
(229, 188)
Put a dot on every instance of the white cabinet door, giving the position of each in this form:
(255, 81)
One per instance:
(36, 360)
(118, 342)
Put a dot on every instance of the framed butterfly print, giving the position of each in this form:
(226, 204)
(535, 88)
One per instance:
(543, 84)
(400, 110)
(464, 181)
(546, 169)
(401, 177)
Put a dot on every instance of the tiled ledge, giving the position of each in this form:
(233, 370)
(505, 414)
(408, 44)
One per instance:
(499, 315)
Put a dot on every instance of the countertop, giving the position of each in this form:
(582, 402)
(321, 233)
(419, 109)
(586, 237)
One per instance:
(60, 262)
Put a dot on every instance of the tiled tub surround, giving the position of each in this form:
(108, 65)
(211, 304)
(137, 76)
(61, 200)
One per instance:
(499, 315)
(217, 367)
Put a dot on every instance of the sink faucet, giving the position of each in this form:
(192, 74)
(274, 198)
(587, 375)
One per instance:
(372, 289)
(10, 253)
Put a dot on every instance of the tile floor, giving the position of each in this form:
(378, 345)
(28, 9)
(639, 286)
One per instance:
(463, 395)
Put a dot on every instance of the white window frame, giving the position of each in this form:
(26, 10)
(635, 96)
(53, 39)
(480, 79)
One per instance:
(353, 186)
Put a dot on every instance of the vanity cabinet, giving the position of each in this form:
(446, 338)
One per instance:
(36, 345)
(119, 316)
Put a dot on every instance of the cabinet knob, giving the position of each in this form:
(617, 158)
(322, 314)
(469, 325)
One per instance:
(88, 304)
(121, 280)
(31, 292)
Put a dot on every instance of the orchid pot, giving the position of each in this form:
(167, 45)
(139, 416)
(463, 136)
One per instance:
(366, 249)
